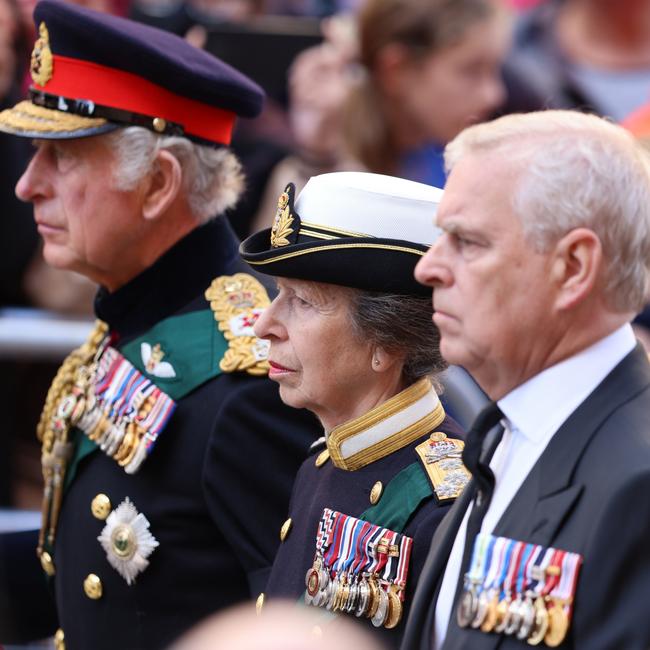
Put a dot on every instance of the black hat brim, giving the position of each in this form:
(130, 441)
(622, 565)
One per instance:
(367, 263)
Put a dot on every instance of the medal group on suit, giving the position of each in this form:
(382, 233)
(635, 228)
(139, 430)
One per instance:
(518, 589)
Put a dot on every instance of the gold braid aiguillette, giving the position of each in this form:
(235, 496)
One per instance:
(65, 403)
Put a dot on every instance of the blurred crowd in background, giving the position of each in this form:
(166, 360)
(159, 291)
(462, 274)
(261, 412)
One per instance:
(378, 85)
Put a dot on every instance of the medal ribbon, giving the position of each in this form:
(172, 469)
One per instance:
(553, 578)
(501, 582)
(523, 564)
(498, 552)
(406, 545)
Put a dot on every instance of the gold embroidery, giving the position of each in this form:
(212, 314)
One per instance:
(391, 443)
(64, 405)
(442, 460)
(331, 247)
(282, 223)
(30, 118)
(42, 63)
(237, 301)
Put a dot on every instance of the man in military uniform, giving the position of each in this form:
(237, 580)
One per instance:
(167, 456)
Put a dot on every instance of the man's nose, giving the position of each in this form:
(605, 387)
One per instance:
(432, 270)
(32, 183)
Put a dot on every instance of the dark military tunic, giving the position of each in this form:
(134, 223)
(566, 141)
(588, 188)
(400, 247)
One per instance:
(214, 489)
(407, 507)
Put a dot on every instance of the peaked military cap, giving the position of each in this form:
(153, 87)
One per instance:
(354, 229)
(93, 72)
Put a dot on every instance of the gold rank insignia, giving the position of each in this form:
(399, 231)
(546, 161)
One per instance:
(442, 460)
(237, 301)
(42, 63)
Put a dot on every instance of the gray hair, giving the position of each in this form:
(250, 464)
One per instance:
(401, 324)
(213, 179)
(578, 170)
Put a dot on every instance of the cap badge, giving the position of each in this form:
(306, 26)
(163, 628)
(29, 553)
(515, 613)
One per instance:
(281, 228)
(127, 541)
(42, 62)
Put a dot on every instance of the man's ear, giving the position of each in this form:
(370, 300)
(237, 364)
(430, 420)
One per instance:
(577, 266)
(164, 185)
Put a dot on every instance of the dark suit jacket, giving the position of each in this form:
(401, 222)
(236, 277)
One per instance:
(589, 493)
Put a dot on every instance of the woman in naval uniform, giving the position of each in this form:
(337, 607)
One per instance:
(352, 339)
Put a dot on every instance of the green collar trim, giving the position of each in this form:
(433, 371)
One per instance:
(179, 353)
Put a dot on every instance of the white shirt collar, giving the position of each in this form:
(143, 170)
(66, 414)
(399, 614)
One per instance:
(541, 404)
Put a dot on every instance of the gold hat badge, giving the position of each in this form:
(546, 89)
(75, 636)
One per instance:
(281, 228)
(42, 63)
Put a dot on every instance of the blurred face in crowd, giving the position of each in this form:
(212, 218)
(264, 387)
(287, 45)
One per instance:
(87, 226)
(449, 89)
(316, 356)
(492, 296)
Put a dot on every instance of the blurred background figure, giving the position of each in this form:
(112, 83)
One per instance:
(386, 90)
(280, 626)
(427, 69)
(588, 54)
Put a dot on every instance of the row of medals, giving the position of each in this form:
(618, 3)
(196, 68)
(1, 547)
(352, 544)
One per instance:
(530, 617)
(361, 595)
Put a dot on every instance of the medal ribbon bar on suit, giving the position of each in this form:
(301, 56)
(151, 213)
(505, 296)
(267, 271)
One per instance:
(524, 590)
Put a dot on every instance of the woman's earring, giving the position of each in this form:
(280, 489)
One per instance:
(375, 361)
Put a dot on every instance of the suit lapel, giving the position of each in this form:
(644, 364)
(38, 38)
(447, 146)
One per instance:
(548, 494)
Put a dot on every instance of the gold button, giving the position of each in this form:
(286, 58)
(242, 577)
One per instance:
(322, 458)
(93, 587)
(47, 563)
(101, 506)
(375, 492)
(284, 531)
(159, 124)
(59, 640)
(259, 603)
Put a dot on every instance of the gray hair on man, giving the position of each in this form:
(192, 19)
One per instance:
(577, 170)
(213, 179)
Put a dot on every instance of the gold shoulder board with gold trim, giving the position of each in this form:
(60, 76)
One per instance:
(442, 460)
(237, 301)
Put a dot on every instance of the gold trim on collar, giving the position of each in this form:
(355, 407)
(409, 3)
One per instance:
(394, 441)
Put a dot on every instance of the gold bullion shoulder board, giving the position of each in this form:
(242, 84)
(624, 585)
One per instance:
(442, 460)
(237, 301)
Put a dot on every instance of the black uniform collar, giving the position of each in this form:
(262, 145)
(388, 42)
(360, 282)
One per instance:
(176, 278)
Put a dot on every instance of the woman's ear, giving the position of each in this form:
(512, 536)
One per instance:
(383, 360)
(164, 185)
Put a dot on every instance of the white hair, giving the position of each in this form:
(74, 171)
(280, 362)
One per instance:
(577, 170)
(213, 179)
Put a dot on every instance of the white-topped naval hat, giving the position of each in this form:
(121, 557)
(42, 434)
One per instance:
(354, 229)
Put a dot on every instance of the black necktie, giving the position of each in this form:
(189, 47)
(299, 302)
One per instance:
(483, 476)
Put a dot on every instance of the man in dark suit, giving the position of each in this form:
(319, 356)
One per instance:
(542, 264)
(168, 457)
